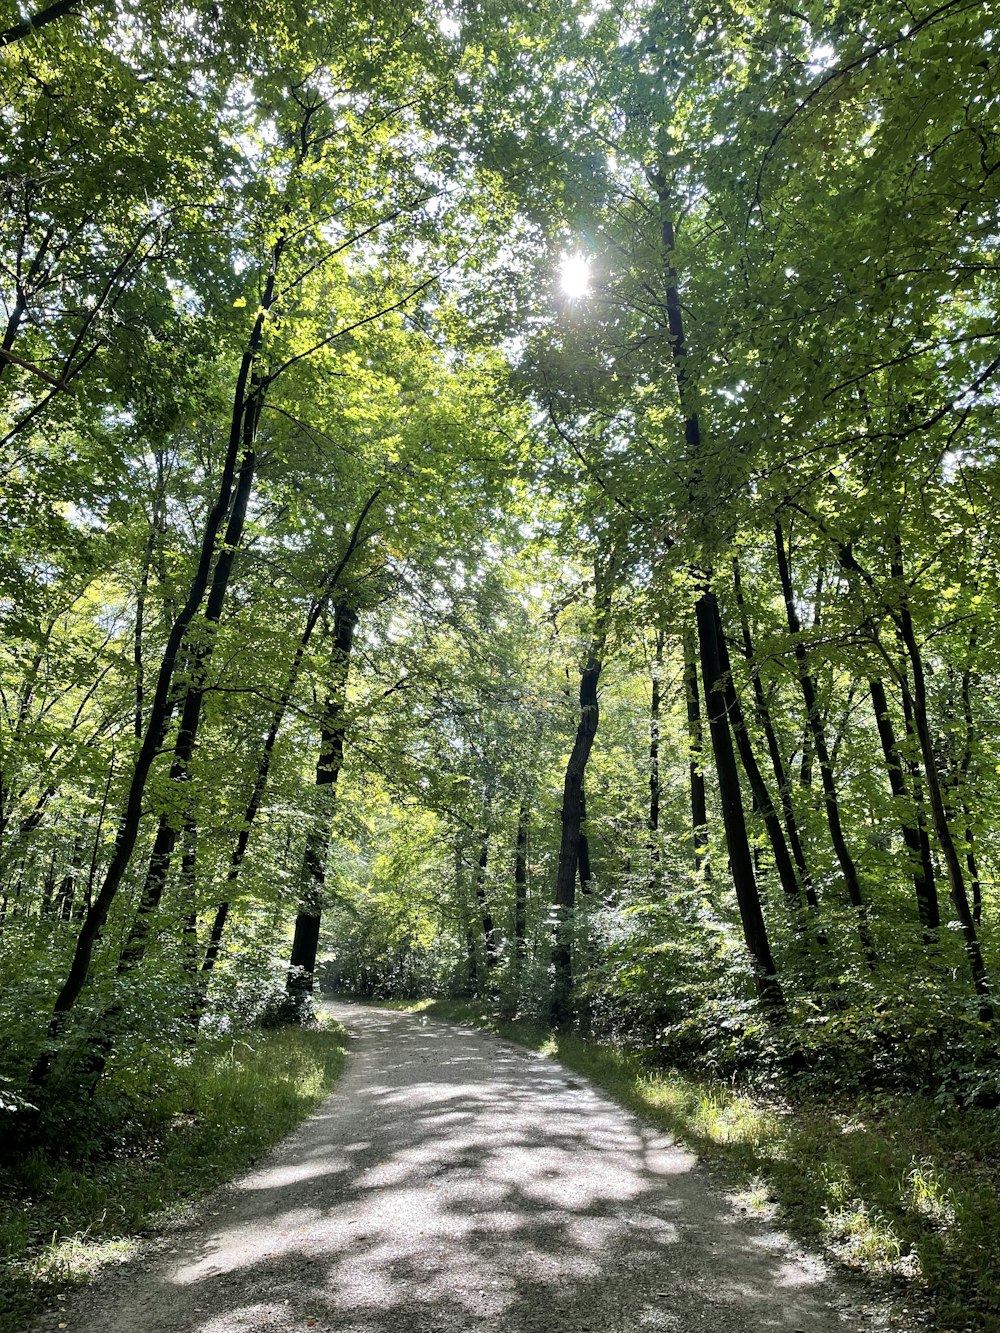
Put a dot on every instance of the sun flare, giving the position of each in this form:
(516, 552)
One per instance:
(574, 276)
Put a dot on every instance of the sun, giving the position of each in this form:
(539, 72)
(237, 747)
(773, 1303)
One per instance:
(574, 276)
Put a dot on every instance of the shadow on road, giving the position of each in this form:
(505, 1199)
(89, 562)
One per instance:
(456, 1182)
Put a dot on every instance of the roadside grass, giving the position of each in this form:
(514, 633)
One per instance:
(904, 1189)
(63, 1218)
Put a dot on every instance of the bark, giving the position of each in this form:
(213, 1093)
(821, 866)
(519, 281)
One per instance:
(806, 762)
(814, 721)
(316, 612)
(707, 620)
(48, 887)
(25, 282)
(300, 982)
(913, 768)
(189, 923)
(485, 915)
(763, 802)
(696, 774)
(66, 894)
(561, 1005)
(737, 843)
(140, 613)
(970, 836)
(156, 529)
(924, 887)
(781, 776)
(162, 704)
(521, 884)
(584, 872)
(935, 794)
(171, 822)
(40, 19)
(654, 743)
(462, 899)
(914, 829)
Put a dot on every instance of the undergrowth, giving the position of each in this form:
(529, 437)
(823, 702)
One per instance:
(68, 1211)
(905, 1188)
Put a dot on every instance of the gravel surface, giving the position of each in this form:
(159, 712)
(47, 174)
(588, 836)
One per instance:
(455, 1182)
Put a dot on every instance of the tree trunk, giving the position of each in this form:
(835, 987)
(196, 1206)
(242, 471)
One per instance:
(561, 1004)
(654, 744)
(583, 869)
(918, 848)
(485, 915)
(246, 406)
(814, 721)
(316, 612)
(737, 843)
(696, 774)
(758, 787)
(462, 901)
(300, 981)
(970, 836)
(171, 822)
(935, 795)
(781, 776)
(521, 884)
(67, 886)
(707, 620)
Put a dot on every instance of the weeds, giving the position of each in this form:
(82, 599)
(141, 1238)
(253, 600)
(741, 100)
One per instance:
(62, 1218)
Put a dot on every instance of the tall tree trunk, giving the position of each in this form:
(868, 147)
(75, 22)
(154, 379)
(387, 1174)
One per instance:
(935, 795)
(781, 776)
(914, 829)
(67, 886)
(300, 981)
(696, 773)
(707, 621)
(318, 609)
(521, 884)
(966, 765)
(918, 847)
(561, 1004)
(737, 843)
(171, 822)
(189, 920)
(654, 743)
(246, 405)
(485, 915)
(814, 721)
(584, 871)
(758, 787)
(462, 899)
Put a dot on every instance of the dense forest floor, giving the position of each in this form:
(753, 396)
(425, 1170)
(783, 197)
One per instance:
(134, 1159)
(898, 1188)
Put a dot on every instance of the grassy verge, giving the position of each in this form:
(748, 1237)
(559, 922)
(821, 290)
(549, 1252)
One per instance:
(907, 1189)
(61, 1219)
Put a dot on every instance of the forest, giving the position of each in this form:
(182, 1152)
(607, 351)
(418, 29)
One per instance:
(500, 504)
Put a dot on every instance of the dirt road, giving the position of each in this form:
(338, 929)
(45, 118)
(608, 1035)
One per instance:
(455, 1182)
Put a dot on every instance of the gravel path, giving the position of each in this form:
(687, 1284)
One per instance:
(455, 1182)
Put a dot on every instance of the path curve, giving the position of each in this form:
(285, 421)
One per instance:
(456, 1182)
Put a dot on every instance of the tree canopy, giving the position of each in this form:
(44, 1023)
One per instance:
(500, 500)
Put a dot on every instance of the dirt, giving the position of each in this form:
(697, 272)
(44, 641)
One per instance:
(455, 1182)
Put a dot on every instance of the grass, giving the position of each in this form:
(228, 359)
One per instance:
(62, 1219)
(907, 1190)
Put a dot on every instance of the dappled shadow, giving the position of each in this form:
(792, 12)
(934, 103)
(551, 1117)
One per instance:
(456, 1182)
